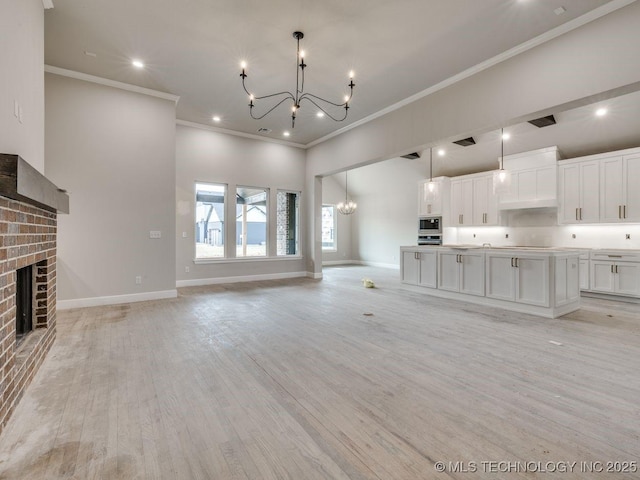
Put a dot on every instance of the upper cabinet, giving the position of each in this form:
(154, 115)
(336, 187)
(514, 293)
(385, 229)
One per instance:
(579, 187)
(600, 188)
(620, 192)
(533, 179)
(433, 200)
(473, 202)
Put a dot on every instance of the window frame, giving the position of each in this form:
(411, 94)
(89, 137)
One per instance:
(298, 220)
(334, 248)
(224, 231)
(267, 191)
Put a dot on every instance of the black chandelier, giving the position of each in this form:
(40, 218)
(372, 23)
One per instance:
(300, 93)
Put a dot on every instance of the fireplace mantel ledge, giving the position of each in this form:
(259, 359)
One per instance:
(20, 181)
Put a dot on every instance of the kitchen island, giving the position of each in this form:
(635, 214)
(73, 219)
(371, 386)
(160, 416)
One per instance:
(542, 281)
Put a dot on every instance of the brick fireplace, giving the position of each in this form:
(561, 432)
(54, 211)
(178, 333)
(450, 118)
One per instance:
(28, 221)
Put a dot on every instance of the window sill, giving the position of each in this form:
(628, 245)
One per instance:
(204, 261)
(329, 250)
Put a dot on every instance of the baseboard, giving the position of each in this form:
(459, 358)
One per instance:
(314, 275)
(115, 299)
(391, 266)
(330, 263)
(197, 282)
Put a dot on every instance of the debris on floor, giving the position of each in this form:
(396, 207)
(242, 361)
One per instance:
(552, 342)
(368, 314)
(368, 283)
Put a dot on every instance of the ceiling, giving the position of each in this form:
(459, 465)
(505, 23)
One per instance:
(193, 49)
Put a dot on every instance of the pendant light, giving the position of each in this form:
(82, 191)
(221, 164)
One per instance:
(432, 187)
(501, 177)
(348, 207)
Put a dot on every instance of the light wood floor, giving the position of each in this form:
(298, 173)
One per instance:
(302, 379)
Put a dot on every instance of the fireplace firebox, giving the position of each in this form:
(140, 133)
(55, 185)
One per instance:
(24, 303)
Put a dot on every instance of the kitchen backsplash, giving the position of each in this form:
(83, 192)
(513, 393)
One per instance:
(539, 228)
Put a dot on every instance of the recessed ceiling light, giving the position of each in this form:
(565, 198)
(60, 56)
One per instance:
(506, 136)
(320, 114)
(216, 118)
(137, 63)
(601, 112)
(286, 134)
(559, 10)
(441, 152)
(90, 54)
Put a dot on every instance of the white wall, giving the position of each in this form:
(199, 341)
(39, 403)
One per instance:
(566, 72)
(113, 150)
(332, 194)
(214, 157)
(387, 209)
(22, 79)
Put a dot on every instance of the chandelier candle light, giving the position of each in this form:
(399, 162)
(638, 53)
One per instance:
(300, 94)
(349, 206)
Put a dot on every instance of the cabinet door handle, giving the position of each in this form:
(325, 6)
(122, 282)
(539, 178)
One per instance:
(576, 213)
(624, 211)
(616, 268)
(580, 213)
(517, 263)
(619, 211)
(512, 262)
(462, 218)
(612, 268)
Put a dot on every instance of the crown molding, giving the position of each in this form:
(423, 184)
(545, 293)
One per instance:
(211, 128)
(523, 47)
(110, 83)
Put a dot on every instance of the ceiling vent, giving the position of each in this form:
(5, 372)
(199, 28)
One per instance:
(264, 130)
(411, 156)
(465, 142)
(543, 121)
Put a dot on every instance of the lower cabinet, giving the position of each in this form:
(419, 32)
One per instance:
(539, 282)
(522, 279)
(461, 272)
(419, 268)
(584, 274)
(615, 277)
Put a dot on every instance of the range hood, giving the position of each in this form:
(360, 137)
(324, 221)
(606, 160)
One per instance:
(533, 180)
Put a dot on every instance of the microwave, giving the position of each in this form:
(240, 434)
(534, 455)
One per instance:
(429, 225)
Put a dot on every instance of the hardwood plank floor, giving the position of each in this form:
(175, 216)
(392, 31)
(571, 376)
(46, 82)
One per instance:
(302, 379)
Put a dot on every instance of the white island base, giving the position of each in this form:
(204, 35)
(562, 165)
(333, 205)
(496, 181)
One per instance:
(539, 281)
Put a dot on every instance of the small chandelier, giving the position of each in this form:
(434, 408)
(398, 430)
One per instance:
(502, 177)
(348, 207)
(300, 93)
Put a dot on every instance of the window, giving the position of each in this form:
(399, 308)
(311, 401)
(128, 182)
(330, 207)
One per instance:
(210, 220)
(288, 223)
(329, 228)
(251, 222)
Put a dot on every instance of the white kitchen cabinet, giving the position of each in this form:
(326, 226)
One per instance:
(462, 202)
(461, 271)
(584, 273)
(485, 202)
(419, 268)
(619, 192)
(518, 277)
(433, 203)
(533, 180)
(616, 273)
(579, 192)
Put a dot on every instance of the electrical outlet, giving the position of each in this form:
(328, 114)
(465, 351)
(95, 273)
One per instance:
(184, 234)
(155, 234)
(186, 269)
(138, 280)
